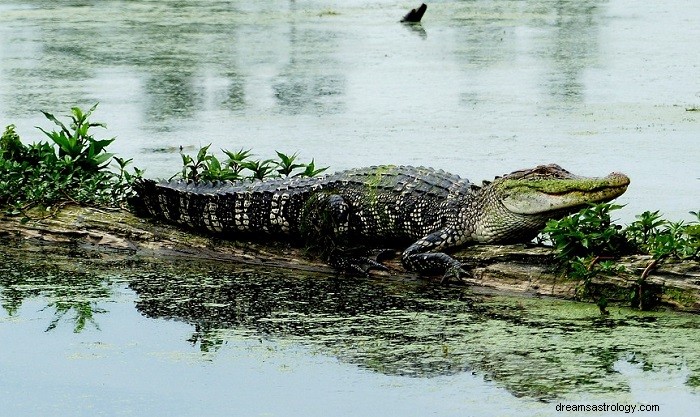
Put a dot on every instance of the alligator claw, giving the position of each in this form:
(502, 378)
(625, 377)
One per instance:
(454, 271)
(355, 264)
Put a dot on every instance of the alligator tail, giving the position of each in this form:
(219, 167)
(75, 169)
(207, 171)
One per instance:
(144, 198)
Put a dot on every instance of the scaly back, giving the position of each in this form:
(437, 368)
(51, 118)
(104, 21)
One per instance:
(380, 199)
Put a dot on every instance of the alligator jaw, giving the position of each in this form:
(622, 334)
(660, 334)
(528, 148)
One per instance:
(540, 196)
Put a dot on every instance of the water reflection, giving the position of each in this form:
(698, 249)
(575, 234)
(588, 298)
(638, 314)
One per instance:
(75, 294)
(174, 48)
(563, 35)
(574, 47)
(534, 348)
(303, 86)
(191, 57)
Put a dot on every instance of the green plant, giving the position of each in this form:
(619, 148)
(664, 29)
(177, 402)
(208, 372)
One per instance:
(286, 164)
(644, 228)
(70, 168)
(260, 169)
(660, 238)
(311, 170)
(76, 145)
(584, 241)
(587, 244)
(121, 187)
(588, 232)
(235, 159)
(11, 147)
(206, 167)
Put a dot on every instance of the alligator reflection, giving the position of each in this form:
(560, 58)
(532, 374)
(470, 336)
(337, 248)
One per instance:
(538, 348)
(532, 347)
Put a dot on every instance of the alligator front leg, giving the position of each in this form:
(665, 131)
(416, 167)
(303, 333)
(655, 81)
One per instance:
(420, 257)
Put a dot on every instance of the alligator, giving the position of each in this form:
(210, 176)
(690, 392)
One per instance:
(427, 211)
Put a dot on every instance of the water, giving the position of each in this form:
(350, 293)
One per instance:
(481, 88)
(111, 334)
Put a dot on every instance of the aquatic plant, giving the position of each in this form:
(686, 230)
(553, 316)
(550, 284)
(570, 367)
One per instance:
(206, 167)
(588, 244)
(661, 238)
(72, 168)
(76, 145)
(588, 232)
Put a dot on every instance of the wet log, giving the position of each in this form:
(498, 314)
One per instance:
(415, 15)
(521, 269)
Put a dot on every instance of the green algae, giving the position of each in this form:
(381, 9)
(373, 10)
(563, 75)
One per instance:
(559, 186)
(538, 348)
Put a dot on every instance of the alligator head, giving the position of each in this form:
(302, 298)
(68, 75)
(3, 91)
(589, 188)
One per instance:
(550, 188)
(519, 204)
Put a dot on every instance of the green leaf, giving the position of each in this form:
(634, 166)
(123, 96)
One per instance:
(99, 145)
(57, 122)
(202, 154)
(101, 159)
(213, 164)
(77, 113)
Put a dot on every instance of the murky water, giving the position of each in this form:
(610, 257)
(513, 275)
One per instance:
(127, 336)
(480, 88)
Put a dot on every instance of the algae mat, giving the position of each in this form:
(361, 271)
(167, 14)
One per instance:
(535, 349)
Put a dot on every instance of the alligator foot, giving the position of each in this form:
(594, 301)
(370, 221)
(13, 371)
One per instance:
(384, 254)
(454, 271)
(356, 265)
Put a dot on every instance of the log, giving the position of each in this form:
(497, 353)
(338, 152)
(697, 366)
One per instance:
(515, 269)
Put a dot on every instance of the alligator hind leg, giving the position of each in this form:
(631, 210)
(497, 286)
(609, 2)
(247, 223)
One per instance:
(325, 216)
(325, 227)
(420, 258)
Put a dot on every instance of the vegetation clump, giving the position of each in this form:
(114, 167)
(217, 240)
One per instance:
(206, 167)
(72, 167)
(588, 244)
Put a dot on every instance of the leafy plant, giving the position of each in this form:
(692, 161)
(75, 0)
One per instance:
(260, 169)
(235, 159)
(76, 145)
(660, 238)
(311, 170)
(191, 167)
(70, 168)
(588, 244)
(644, 228)
(121, 187)
(588, 232)
(206, 167)
(286, 164)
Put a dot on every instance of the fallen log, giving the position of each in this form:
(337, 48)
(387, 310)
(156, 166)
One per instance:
(522, 269)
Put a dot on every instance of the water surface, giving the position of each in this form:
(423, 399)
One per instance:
(131, 336)
(481, 88)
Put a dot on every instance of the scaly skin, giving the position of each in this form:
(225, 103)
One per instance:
(431, 211)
